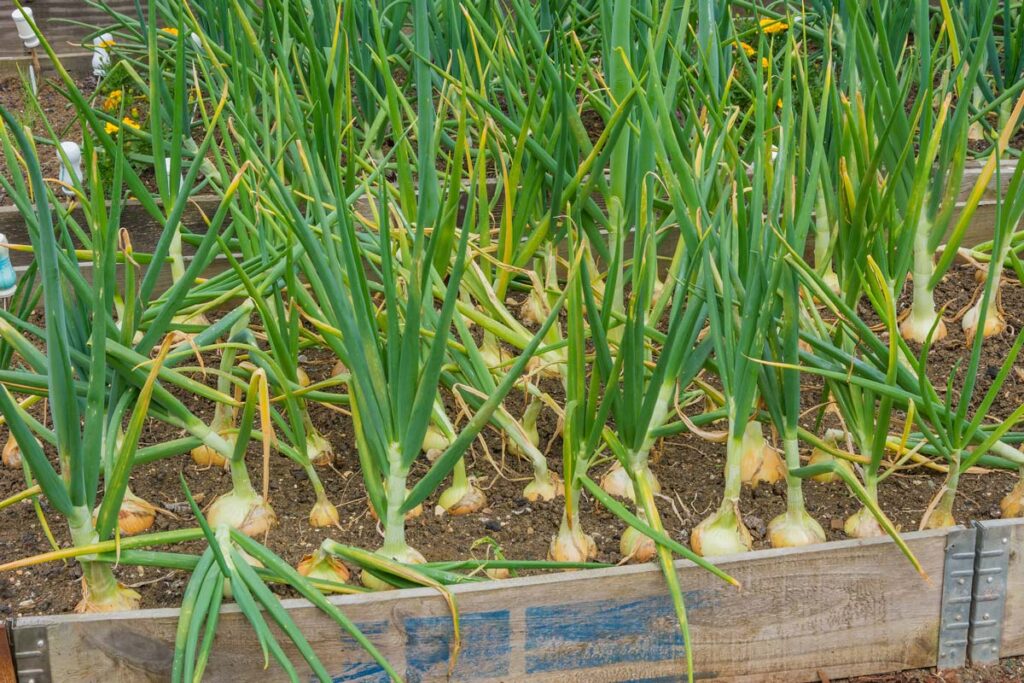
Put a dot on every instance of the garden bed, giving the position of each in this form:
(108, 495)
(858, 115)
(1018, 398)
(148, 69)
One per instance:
(844, 609)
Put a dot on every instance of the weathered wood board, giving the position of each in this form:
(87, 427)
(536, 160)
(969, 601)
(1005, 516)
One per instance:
(1013, 616)
(847, 608)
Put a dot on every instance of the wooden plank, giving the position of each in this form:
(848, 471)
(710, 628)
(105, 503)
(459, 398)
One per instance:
(846, 608)
(7, 672)
(1013, 616)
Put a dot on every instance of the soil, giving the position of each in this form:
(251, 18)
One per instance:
(58, 111)
(1006, 671)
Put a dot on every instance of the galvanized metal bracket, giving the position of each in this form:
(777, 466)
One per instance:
(991, 560)
(957, 584)
(31, 652)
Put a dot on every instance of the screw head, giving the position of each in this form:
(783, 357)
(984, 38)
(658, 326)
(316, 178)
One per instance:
(960, 581)
(989, 580)
(995, 648)
(985, 615)
(40, 643)
(1005, 539)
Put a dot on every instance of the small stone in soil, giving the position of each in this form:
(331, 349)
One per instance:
(492, 525)
(756, 526)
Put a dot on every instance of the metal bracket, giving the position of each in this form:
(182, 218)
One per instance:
(955, 614)
(990, 566)
(31, 651)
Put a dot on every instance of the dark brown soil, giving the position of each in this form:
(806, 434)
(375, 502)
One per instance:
(1006, 671)
(57, 110)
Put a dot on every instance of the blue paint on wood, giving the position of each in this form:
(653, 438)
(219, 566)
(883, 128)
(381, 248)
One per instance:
(602, 632)
(363, 668)
(485, 653)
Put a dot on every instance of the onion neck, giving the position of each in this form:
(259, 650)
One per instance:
(922, 317)
(733, 460)
(100, 586)
(794, 486)
(394, 492)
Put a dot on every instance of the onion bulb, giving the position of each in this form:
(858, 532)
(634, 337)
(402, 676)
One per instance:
(939, 518)
(636, 546)
(548, 488)
(917, 330)
(570, 544)
(406, 556)
(12, 452)
(302, 377)
(205, 456)
(1012, 504)
(249, 513)
(318, 449)
(462, 500)
(819, 457)
(862, 524)
(616, 482)
(120, 599)
(434, 441)
(136, 515)
(324, 567)
(324, 514)
(723, 533)
(533, 309)
(759, 463)
(995, 321)
(794, 528)
(491, 352)
(339, 369)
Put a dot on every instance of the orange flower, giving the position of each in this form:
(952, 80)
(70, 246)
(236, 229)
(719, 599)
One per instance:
(170, 29)
(113, 100)
(748, 49)
(128, 121)
(771, 26)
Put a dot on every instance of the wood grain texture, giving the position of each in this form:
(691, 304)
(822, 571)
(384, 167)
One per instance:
(7, 672)
(847, 608)
(1013, 616)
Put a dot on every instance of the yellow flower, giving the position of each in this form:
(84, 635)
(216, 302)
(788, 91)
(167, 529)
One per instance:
(748, 49)
(128, 121)
(170, 29)
(113, 100)
(771, 26)
(779, 104)
(764, 62)
(107, 43)
(111, 128)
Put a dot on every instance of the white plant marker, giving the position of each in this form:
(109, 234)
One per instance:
(100, 55)
(31, 40)
(71, 172)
